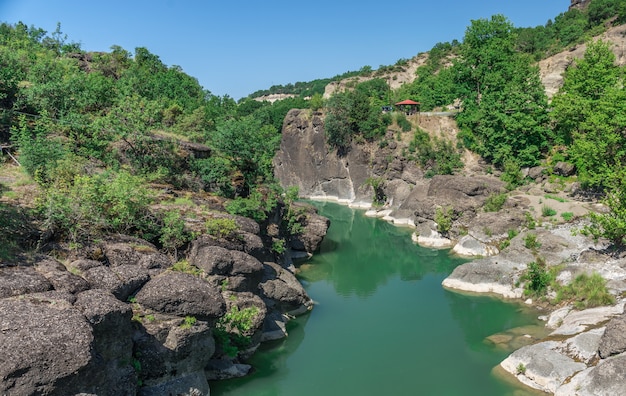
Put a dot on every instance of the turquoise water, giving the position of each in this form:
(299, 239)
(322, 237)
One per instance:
(382, 324)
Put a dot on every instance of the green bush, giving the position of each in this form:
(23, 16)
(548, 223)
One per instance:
(495, 202)
(586, 291)
(173, 233)
(567, 216)
(443, 218)
(185, 267)
(547, 211)
(531, 242)
(402, 122)
(221, 227)
(537, 278)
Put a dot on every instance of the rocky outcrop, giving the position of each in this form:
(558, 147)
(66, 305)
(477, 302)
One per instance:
(120, 318)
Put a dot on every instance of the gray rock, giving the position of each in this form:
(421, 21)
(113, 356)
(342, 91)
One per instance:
(283, 291)
(44, 348)
(169, 351)
(182, 294)
(544, 368)
(122, 281)
(15, 281)
(564, 168)
(605, 379)
(190, 384)
(243, 272)
(125, 250)
(221, 369)
(614, 339)
(60, 278)
(314, 230)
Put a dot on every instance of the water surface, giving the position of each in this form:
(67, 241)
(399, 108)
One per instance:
(383, 324)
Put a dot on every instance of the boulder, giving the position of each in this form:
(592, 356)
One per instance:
(182, 294)
(613, 341)
(60, 278)
(564, 168)
(244, 242)
(605, 379)
(15, 281)
(44, 348)
(112, 331)
(243, 272)
(125, 250)
(541, 367)
(122, 281)
(312, 235)
(172, 354)
(282, 290)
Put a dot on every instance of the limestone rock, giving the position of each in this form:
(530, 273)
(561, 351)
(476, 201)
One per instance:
(182, 294)
(614, 339)
(543, 368)
(605, 379)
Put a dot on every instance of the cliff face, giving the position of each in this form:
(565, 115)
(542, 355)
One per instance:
(305, 160)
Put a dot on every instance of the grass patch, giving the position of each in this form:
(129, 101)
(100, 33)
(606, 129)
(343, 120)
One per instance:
(531, 242)
(184, 267)
(495, 202)
(547, 211)
(554, 197)
(567, 216)
(586, 291)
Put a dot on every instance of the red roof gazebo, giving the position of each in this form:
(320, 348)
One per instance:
(409, 106)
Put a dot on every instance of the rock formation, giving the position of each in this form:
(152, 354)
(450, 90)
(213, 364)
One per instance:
(121, 318)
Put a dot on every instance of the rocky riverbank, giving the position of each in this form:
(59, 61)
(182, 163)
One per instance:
(119, 317)
(458, 212)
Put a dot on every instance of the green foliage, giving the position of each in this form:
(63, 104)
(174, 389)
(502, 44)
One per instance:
(520, 369)
(586, 291)
(402, 122)
(590, 115)
(185, 267)
(257, 205)
(356, 113)
(537, 278)
(233, 330)
(554, 197)
(504, 104)
(104, 202)
(188, 322)
(512, 174)
(278, 246)
(437, 155)
(495, 202)
(316, 102)
(567, 216)
(173, 233)
(529, 221)
(611, 225)
(378, 185)
(443, 218)
(531, 242)
(547, 211)
(221, 227)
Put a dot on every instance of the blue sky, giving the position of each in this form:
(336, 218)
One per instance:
(238, 47)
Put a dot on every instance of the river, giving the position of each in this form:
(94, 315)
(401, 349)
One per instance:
(383, 324)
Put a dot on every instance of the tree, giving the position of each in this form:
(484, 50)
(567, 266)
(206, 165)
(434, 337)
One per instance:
(590, 115)
(504, 105)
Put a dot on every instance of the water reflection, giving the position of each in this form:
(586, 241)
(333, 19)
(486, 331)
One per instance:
(355, 268)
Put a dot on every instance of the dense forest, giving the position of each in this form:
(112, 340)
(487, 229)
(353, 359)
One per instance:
(98, 132)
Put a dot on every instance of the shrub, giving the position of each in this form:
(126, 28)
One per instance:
(586, 291)
(231, 331)
(173, 234)
(529, 220)
(531, 242)
(221, 227)
(537, 278)
(495, 202)
(188, 322)
(547, 211)
(443, 218)
(185, 267)
(567, 216)
(402, 122)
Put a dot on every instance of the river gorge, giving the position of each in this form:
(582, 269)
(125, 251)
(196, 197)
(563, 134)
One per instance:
(383, 324)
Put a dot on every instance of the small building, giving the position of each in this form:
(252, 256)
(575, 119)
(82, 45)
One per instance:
(409, 106)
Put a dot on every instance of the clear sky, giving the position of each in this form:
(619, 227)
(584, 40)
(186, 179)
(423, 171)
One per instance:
(236, 47)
